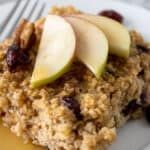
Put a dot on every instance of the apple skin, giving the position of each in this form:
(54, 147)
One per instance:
(92, 44)
(52, 78)
(41, 72)
(118, 36)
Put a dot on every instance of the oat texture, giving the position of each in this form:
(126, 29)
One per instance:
(44, 116)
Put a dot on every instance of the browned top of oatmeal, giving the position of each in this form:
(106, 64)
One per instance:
(77, 111)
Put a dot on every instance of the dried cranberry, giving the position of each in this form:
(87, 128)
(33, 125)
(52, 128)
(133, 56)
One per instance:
(147, 114)
(142, 49)
(131, 107)
(16, 57)
(73, 105)
(141, 73)
(112, 14)
(24, 58)
(12, 57)
(13, 47)
(3, 114)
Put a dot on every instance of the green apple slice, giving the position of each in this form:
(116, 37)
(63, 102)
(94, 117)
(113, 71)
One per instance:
(117, 35)
(56, 51)
(92, 45)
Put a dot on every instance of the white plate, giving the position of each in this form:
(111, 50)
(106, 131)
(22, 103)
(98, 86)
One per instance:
(136, 134)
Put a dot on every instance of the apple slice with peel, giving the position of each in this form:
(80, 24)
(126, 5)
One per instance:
(92, 45)
(56, 51)
(117, 35)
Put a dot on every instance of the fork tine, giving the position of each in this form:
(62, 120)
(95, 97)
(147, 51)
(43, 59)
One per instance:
(30, 9)
(14, 20)
(34, 10)
(9, 15)
(38, 11)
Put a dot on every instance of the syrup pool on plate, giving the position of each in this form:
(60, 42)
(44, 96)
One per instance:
(9, 141)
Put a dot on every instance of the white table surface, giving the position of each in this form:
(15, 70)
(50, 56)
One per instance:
(144, 3)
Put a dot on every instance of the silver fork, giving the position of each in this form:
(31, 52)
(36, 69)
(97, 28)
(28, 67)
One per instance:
(29, 9)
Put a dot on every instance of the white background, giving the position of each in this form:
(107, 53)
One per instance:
(144, 3)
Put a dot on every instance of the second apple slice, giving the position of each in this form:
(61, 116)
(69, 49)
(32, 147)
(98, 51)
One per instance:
(92, 45)
(116, 33)
(56, 51)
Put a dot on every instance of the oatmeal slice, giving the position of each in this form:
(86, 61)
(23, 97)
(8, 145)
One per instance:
(77, 111)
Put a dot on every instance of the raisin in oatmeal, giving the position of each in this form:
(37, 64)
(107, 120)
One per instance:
(77, 111)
